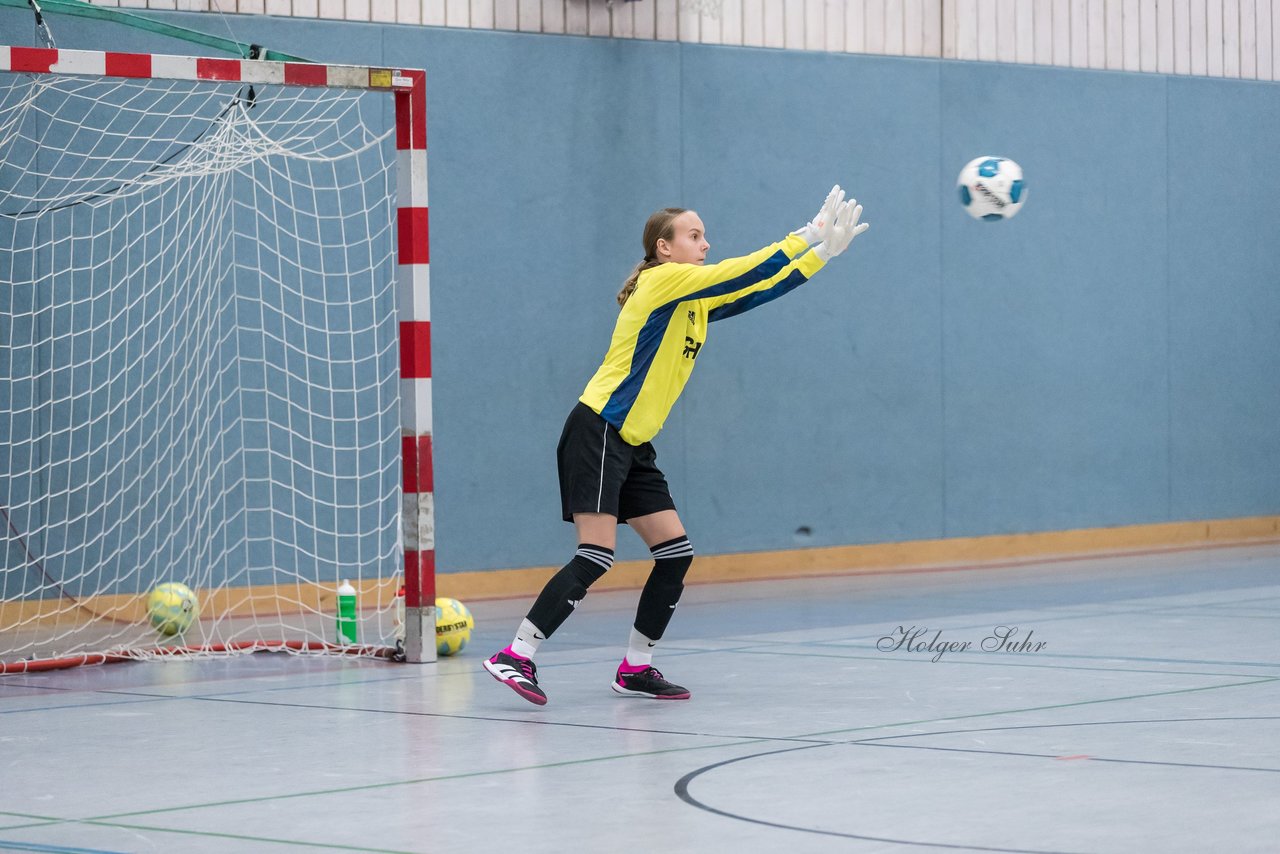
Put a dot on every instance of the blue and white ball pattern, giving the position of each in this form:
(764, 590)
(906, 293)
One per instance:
(992, 188)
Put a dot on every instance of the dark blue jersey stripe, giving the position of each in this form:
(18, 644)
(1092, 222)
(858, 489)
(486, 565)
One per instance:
(624, 396)
(756, 298)
(655, 327)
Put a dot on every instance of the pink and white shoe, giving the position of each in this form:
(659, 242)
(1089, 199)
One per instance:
(519, 673)
(646, 682)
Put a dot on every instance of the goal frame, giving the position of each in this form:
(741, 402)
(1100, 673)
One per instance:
(412, 250)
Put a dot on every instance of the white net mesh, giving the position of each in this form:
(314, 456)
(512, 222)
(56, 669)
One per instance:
(198, 363)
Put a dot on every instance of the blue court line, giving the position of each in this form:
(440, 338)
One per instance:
(675, 652)
(804, 737)
(1186, 611)
(741, 741)
(1054, 756)
(513, 720)
(147, 697)
(1062, 617)
(59, 849)
(1230, 603)
(1051, 707)
(883, 656)
(1081, 656)
(755, 647)
(75, 706)
(142, 697)
(245, 677)
(112, 820)
(956, 658)
(1206, 662)
(1067, 725)
(301, 843)
(682, 791)
(50, 821)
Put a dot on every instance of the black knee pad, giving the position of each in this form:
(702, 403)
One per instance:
(576, 577)
(671, 560)
(662, 591)
(568, 587)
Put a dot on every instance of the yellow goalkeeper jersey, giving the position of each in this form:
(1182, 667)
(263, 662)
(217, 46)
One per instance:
(662, 328)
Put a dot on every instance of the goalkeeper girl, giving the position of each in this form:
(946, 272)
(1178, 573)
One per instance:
(607, 464)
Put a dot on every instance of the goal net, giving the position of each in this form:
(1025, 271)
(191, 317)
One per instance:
(201, 356)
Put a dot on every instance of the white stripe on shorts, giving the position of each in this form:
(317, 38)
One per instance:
(604, 443)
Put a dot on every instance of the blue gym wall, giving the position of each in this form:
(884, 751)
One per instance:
(1110, 357)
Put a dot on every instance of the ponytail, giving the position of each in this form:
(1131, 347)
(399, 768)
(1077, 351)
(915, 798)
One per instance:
(629, 286)
(661, 226)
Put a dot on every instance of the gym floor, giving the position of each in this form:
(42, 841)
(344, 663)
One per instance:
(1135, 708)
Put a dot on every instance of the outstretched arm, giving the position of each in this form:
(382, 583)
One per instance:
(735, 285)
(835, 227)
(673, 281)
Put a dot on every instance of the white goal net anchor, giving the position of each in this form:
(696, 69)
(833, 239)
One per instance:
(215, 337)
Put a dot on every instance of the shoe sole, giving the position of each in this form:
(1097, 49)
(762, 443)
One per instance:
(536, 699)
(627, 692)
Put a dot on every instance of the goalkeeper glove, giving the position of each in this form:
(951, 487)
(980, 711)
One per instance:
(844, 227)
(812, 232)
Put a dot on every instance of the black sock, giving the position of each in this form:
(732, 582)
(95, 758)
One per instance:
(662, 591)
(568, 587)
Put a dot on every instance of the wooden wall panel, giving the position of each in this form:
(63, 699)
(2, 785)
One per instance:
(1217, 38)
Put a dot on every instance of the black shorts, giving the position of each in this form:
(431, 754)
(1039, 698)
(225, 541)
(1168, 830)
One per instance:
(601, 473)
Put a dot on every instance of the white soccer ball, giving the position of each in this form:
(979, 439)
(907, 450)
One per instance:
(991, 188)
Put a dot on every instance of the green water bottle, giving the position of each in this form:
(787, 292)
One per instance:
(346, 613)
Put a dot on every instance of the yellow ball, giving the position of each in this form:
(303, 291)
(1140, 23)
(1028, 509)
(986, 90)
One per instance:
(453, 626)
(172, 608)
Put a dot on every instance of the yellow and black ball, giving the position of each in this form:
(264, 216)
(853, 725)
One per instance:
(453, 626)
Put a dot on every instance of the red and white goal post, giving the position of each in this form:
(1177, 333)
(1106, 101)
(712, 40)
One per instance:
(214, 310)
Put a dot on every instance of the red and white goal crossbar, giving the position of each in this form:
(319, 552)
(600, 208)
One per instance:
(413, 297)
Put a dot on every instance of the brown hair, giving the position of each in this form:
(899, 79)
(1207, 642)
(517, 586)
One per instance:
(661, 226)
